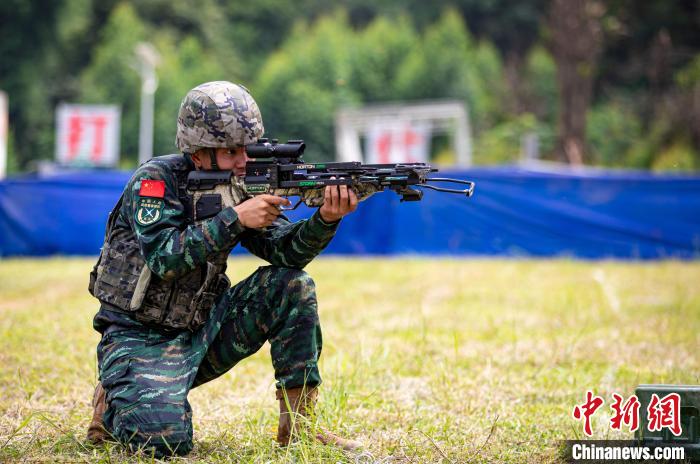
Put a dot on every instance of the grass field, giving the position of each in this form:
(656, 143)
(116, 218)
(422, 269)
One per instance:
(423, 360)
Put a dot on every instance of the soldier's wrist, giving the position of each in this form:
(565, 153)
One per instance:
(229, 217)
(328, 222)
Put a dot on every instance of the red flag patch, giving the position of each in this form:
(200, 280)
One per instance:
(152, 188)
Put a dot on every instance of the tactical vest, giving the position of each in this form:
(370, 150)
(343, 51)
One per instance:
(122, 279)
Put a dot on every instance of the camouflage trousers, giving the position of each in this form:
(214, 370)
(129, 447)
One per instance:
(147, 373)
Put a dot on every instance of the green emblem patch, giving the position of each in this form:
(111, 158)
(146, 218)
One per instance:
(149, 211)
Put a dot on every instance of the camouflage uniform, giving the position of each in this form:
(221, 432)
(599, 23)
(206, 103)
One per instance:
(148, 360)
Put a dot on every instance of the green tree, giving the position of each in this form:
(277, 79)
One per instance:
(262, 28)
(27, 74)
(207, 21)
(514, 28)
(185, 64)
(378, 55)
(539, 85)
(111, 76)
(302, 84)
(304, 61)
(612, 131)
(448, 63)
(329, 65)
(648, 46)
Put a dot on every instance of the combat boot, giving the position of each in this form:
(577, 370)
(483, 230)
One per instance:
(302, 401)
(96, 433)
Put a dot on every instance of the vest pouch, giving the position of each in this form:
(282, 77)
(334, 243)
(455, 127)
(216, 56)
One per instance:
(205, 300)
(190, 306)
(154, 307)
(180, 308)
(116, 275)
(110, 226)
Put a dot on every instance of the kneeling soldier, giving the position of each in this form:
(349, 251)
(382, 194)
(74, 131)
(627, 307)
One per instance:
(169, 318)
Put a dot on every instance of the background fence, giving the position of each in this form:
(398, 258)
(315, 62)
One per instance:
(514, 212)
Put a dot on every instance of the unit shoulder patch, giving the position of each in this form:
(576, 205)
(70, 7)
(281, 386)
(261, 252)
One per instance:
(150, 211)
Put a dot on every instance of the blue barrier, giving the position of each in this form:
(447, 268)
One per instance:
(514, 212)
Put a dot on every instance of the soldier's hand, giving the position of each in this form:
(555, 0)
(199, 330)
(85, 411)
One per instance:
(260, 211)
(339, 200)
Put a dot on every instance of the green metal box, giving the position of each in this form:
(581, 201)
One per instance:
(689, 418)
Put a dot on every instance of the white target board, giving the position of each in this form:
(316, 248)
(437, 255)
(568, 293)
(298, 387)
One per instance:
(402, 132)
(87, 135)
(398, 143)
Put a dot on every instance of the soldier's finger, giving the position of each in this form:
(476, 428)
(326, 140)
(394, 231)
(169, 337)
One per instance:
(332, 189)
(275, 200)
(334, 198)
(353, 199)
(327, 195)
(344, 203)
(270, 209)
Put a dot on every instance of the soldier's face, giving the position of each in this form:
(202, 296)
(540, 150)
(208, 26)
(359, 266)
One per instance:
(232, 159)
(228, 159)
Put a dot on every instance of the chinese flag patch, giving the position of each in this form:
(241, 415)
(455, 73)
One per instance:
(152, 188)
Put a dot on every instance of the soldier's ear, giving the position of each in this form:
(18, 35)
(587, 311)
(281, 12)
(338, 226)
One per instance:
(197, 158)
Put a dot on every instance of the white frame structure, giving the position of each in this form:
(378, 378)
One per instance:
(442, 116)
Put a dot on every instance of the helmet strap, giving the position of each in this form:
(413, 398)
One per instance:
(212, 157)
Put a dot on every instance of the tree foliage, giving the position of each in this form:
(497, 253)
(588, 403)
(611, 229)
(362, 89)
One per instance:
(329, 65)
(304, 60)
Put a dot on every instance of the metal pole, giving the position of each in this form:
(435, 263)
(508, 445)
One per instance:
(463, 140)
(4, 123)
(148, 59)
(530, 147)
(146, 122)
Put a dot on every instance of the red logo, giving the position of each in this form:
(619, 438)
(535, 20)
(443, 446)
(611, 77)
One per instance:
(626, 413)
(665, 413)
(586, 410)
(662, 413)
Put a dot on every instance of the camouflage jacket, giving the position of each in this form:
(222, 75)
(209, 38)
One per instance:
(158, 266)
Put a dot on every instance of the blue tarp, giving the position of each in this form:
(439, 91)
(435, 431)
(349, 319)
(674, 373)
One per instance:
(514, 212)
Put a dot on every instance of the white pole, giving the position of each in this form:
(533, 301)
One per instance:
(146, 121)
(148, 59)
(4, 123)
(463, 139)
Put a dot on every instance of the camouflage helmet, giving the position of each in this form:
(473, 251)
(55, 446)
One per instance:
(217, 115)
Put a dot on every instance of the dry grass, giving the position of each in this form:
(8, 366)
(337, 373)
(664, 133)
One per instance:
(423, 360)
